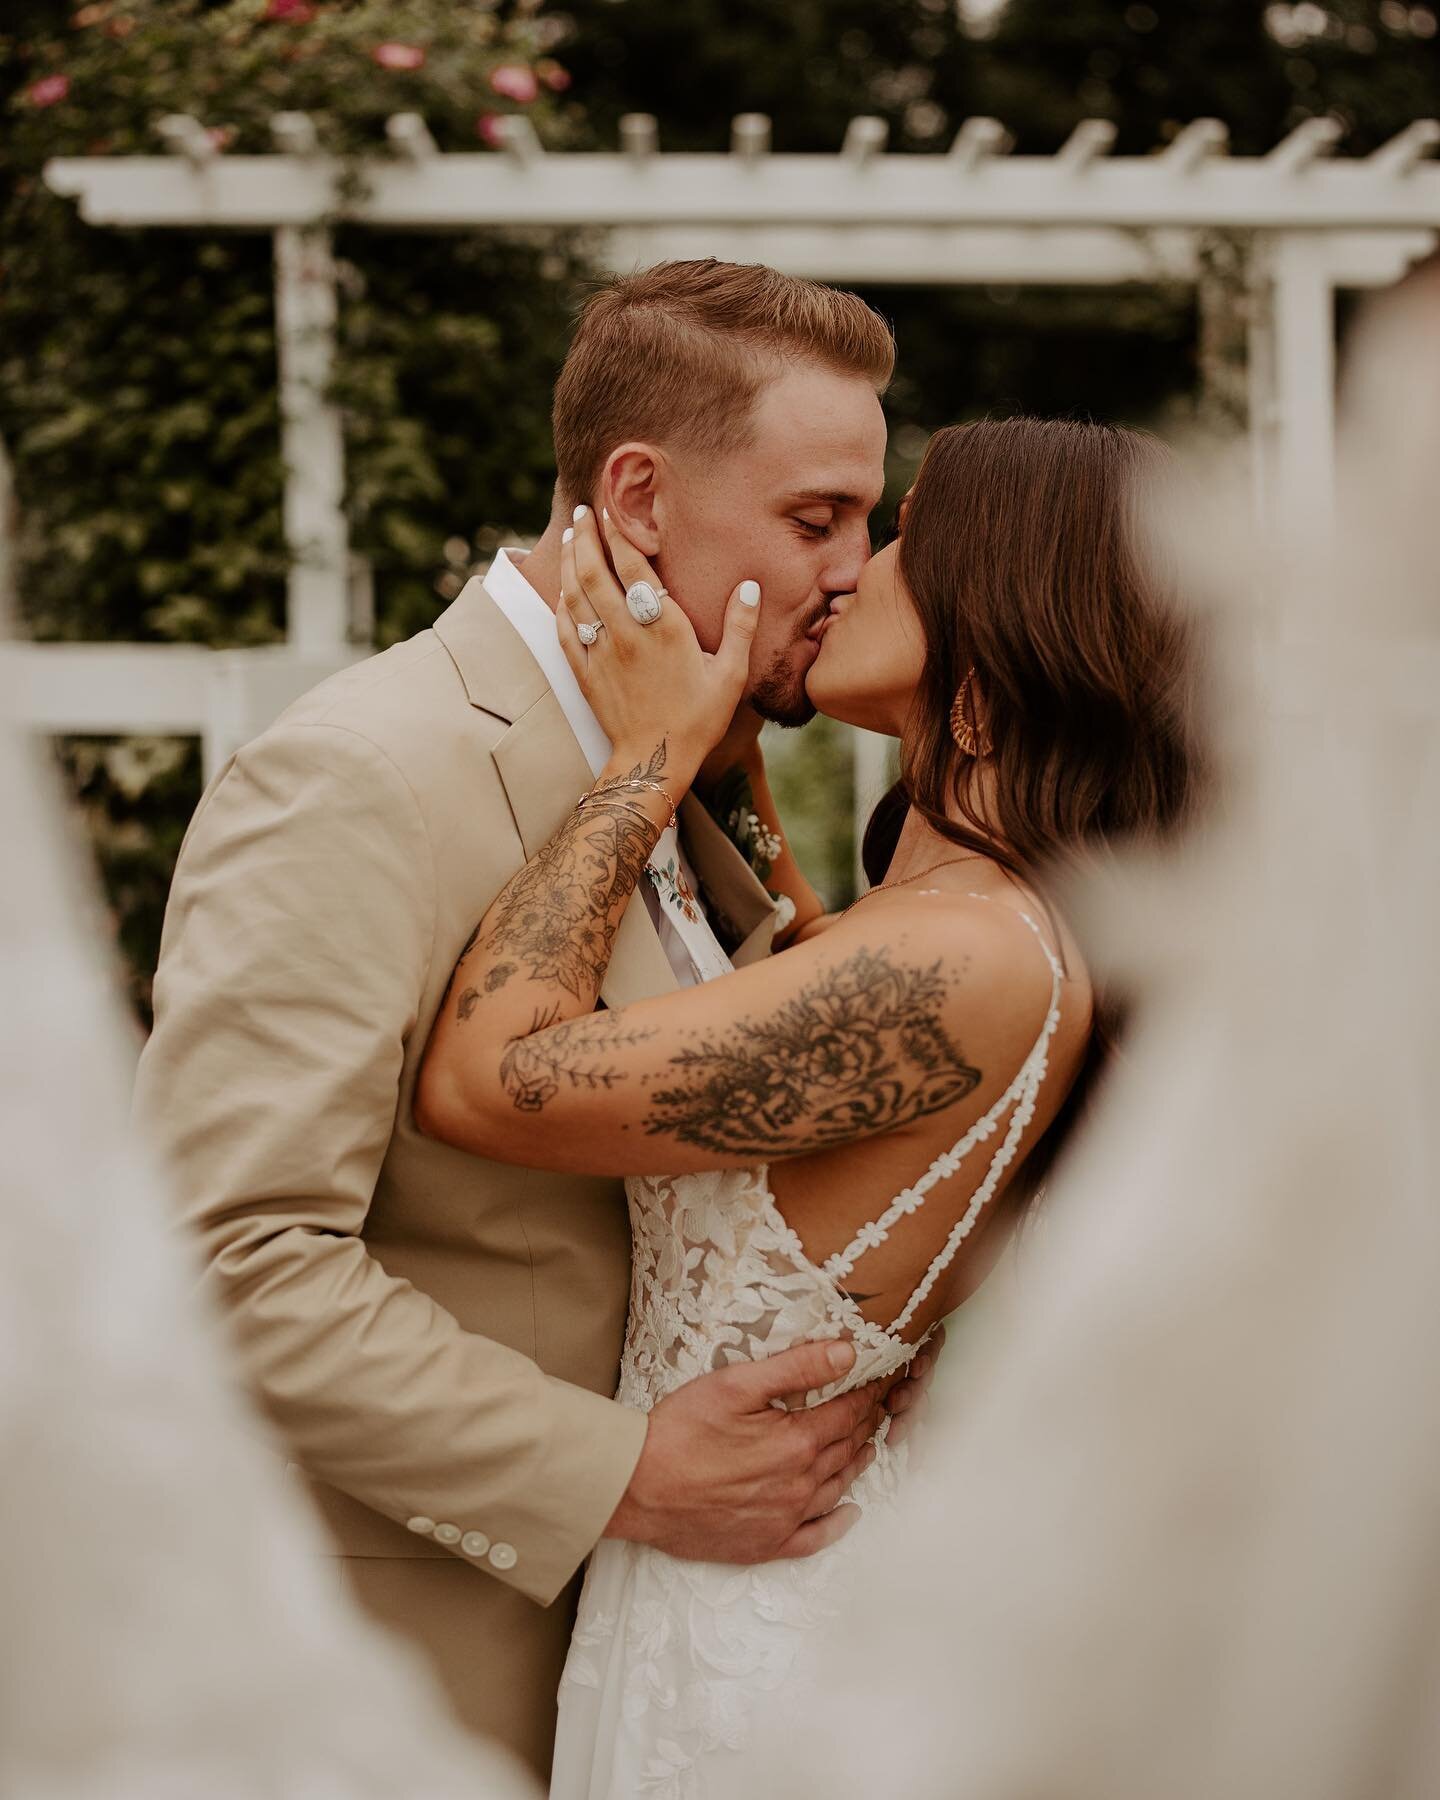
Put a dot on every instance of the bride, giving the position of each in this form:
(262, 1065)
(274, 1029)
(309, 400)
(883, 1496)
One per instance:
(835, 1142)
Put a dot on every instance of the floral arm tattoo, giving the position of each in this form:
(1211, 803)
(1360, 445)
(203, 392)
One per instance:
(859, 1048)
(551, 930)
(856, 1052)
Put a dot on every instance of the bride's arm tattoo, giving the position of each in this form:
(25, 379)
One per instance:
(578, 1053)
(555, 922)
(856, 1052)
(858, 1049)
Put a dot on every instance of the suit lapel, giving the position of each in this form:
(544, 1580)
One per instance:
(541, 767)
(500, 675)
(735, 896)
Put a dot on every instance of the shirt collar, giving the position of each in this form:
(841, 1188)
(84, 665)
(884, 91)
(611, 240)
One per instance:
(533, 619)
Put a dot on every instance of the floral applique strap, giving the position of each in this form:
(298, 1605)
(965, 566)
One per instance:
(1022, 1093)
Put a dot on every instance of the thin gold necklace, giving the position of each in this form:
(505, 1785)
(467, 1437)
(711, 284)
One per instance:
(882, 887)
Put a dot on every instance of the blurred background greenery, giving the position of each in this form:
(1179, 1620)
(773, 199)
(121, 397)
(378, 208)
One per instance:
(137, 369)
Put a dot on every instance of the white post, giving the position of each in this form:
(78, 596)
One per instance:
(312, 443)
(872, 774)
(1293, 378)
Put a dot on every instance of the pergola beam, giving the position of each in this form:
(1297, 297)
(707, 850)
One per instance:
(639, 137)
(750, 135)
(409, 136)
(978, 142)
(187, 137)
(920, 254)
(1195, 145)
(865, 139)
(1087, 143)
(1312, 223)
(1306, 145)
(1290, 189)
(1407, 148)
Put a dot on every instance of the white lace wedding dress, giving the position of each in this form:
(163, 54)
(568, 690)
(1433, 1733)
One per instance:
(672, 1660)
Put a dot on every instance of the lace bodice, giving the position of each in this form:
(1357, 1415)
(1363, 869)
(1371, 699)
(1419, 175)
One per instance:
(719, 1277)
(669, 1658)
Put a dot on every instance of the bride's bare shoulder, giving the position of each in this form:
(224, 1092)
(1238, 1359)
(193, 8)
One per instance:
(991, 954)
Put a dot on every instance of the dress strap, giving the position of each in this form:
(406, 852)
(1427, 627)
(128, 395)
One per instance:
(1022, 1093)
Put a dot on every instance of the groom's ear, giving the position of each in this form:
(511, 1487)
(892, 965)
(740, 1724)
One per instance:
(630, 487)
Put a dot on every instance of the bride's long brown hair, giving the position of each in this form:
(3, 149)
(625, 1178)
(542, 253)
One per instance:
(1021, 555)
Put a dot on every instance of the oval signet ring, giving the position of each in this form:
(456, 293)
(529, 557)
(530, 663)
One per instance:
(643, 601)
(587, 633)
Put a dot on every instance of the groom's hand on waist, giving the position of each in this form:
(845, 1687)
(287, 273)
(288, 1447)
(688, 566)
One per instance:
(727, 1476)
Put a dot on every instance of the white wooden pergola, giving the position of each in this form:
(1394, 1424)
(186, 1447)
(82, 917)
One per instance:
(1309, 222)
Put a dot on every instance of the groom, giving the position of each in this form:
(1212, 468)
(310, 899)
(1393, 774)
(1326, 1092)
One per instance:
(436, 1338)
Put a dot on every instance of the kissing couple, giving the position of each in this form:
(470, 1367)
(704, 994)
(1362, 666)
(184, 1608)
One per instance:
(583, 1200)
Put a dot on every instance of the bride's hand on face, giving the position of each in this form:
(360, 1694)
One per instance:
(647, 683)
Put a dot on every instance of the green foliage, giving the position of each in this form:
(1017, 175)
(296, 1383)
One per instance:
(138, 371)
(137, 375)
(926, 65)
(807, 771)
(449, 349)
(134, 797)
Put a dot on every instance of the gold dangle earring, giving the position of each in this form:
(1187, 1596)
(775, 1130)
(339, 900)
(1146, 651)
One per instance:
(964, 719)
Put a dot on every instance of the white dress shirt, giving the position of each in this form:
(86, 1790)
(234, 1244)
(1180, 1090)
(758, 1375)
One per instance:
(693, 950)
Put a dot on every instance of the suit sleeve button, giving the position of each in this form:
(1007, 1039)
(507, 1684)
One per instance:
(420, 1524)
(503, 1556)
(474, 1543)
(447, 1534)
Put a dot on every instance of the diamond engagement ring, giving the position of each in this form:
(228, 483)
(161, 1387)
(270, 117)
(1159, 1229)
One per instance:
(644, 602)
(587, 633)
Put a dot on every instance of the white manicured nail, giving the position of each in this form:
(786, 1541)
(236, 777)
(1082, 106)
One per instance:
(567, 534)
(579, 513)
(749, 593)
(605, 514)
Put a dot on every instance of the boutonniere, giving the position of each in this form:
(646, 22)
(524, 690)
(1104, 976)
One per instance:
(732, 806)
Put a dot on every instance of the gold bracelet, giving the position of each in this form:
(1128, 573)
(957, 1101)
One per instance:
(639, 781)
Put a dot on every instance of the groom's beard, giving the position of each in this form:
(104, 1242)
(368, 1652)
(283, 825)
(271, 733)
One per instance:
(779, 695)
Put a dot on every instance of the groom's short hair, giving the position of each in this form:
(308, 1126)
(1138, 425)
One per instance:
(678, 354)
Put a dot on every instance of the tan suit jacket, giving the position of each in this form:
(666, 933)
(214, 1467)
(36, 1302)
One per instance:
(436, 1337)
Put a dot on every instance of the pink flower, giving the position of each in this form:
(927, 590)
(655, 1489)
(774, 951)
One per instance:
(399, 56)
(49, 90)
(490, 127)
(221, 136)
(299, 12)
(513, 81)
(554, 75)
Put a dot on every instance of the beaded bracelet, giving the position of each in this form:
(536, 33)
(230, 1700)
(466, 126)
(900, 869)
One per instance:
(639, 781)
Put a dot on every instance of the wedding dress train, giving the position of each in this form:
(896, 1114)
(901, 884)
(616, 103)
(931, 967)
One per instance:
(672, 1660)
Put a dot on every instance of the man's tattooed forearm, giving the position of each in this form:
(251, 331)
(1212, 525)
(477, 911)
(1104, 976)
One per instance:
(553, 919)
(861, 1050)
(573, 1054)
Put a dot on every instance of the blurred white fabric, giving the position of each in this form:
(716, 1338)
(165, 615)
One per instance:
(168, 1628)
(1178, 1533)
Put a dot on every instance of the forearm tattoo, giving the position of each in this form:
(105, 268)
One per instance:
(572, 1054)
(553, 920)
(857, 1052)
